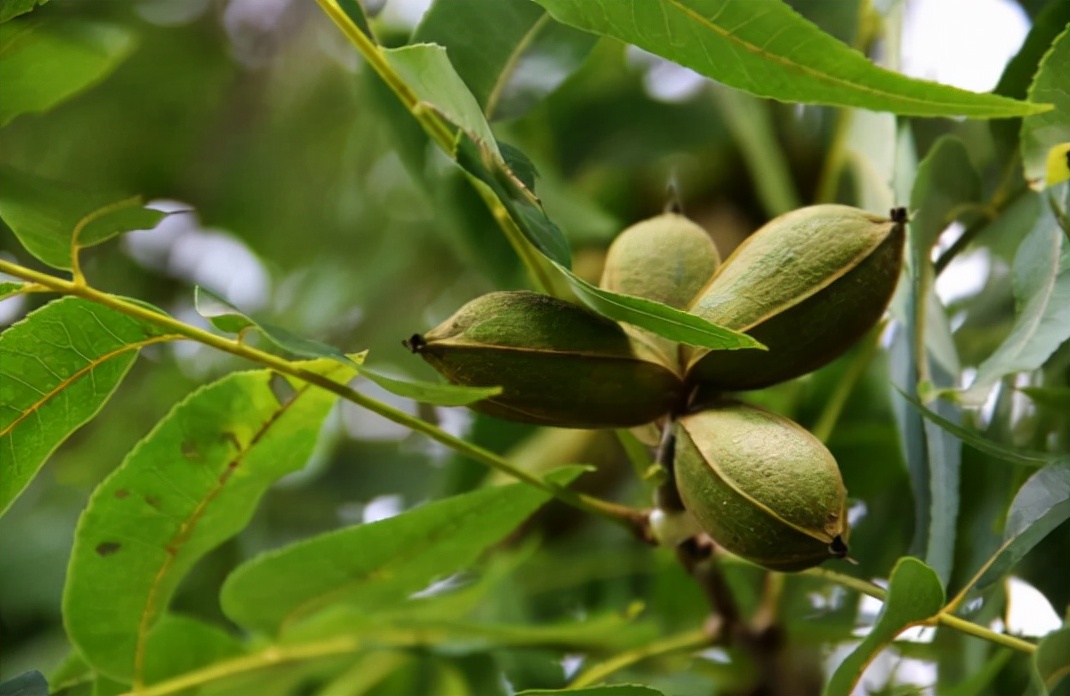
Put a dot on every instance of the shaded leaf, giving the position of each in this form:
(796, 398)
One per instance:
(31, 683)
(606, 690)
(10, 9)
(767, 49)
(50, 59)
(1051, 661)
(226, 317)
(376, 564)
(1041, 132)
(58, 367)
(946, 180)
(355, 11)
(1040, 279)
(189, 485)
(53, 220)
(179, 644)
(508, 52)
(1041, 505)
(914, 595)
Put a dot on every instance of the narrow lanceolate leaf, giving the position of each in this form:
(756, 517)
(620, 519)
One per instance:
(50, 59)
(58, 367)
(1042, 132)
(374, 565)
(53, 220)
(1041, 283)
(226, 317)
(604, 690)
(188, 486)
(1041, 505)
(1050, 662)
(508, 52)
(767, 49)
(914, 595)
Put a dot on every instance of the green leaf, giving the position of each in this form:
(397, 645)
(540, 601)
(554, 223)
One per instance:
(980, 443)
(47, 60)
(1040, 279)
(508, 52)
(767, 49)
(53, 220)
(58, 367)
(188, 486)
(31, 683)
(179, 644)
(427, 70)
(1041, 505)
(226, 317)
(1050, 662)
(606, 690)
(946, 181)
(374, 565)
(662, 319)
(1041, 132)
(9, 9)
(914, 595)
(7, 289)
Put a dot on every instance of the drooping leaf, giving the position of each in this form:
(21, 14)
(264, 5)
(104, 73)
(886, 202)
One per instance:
(47, 60)
(1041, 132)
(226, 317)
(189, 485)
(31, 683)
(1040, 279)
(53, 220)
(58, 367)
(767, 49)
(914, 595)
(1041, 505)
(1051, 664)
(13, 8)
(605, 690)
(179, 644)
(980, 443)
(509, 53)
(376, 564)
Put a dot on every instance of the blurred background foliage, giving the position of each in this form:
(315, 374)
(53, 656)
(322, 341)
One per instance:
(315, 202)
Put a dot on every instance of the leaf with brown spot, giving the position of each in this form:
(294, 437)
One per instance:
(178, 509)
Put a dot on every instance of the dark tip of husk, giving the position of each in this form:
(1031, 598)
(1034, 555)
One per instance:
(838, 547)
(899, 215)
(415, 344)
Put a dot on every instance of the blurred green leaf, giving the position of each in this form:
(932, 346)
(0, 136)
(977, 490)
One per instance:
(946, 182)
(376, 564)
(226, 317)
(47, 60)
(1041, 505)
(767, 49)
(9, 9)
(1051, 661)
(189, 485)
(355, 11)
(45, 215)
(179, 644)
(1041, 282)
(7, 289)
(508, 52)
(59, 366)
(31, 683)
(914, 595)
(1041, 132)
(606, 690)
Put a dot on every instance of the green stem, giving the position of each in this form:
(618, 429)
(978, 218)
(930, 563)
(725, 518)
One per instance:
(443, 136)
(685, 642)
(629, 517)
(837, 153)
